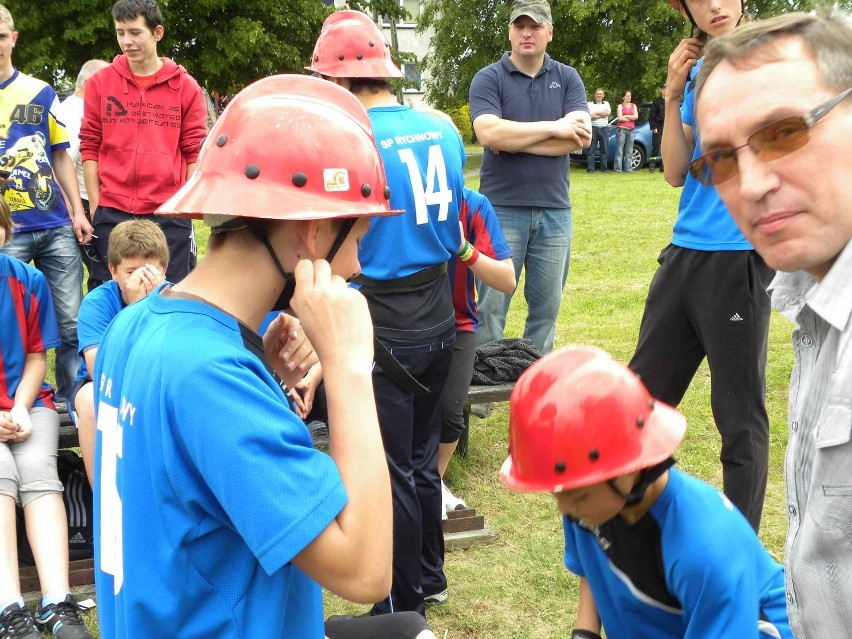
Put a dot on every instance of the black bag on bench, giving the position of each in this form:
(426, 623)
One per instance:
(77, 495)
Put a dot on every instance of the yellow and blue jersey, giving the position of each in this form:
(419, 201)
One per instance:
(30, 134)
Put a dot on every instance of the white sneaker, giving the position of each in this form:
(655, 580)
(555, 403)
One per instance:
(451, 502)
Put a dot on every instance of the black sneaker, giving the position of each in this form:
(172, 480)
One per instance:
(62, 620)
(17, 623)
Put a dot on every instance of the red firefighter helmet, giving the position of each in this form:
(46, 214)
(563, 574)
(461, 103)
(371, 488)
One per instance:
(578, 417)
(287, 147)
(351, 45)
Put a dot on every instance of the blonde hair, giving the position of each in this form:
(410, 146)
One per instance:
(137, 238)
(6, 17)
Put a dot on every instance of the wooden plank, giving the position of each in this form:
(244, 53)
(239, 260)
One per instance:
(477, 394)
(80, 573)
(466, 539)
(464, 523)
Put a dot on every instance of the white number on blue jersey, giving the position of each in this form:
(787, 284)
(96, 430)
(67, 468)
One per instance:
(435, 191)
(112, 546)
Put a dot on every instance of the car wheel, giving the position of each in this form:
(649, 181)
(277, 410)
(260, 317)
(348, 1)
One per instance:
(637, 158)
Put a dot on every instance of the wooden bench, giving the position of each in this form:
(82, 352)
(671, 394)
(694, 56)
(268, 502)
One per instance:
(479, 394)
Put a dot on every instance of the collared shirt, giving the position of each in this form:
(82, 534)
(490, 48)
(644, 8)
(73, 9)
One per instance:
(501, 89)
(818, 467)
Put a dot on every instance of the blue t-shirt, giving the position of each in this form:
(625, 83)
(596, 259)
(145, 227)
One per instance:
(27, 325)
(423, 158)
(525, 179)
(97, 310)
(482, 229)
(209, 486)
(703, 222)
(32, 134)
(691, 567)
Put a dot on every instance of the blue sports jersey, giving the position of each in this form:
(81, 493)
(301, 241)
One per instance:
(96, 312)
(423, 158)
(208, 485)
(32, 134)
(691, 567)
(482, 229)
(703, 222)
(27, 325)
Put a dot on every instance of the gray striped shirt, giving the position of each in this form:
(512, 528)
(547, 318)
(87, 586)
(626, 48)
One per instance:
(818, 467)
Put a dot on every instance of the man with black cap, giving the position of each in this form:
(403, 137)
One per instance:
(529, 112)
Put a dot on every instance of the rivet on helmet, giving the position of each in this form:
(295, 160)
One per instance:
(300, 179)
(366, 190)
(221, 140)
(594, 454)
(252, 171)
(640, 422)
(560, 467)
(387, 192)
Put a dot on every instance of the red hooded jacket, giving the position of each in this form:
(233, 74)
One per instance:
(141, 139)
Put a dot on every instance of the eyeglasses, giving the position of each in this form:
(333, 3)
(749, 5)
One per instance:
(91, 252)
(769, 143)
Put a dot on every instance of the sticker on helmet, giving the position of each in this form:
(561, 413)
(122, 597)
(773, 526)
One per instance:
(335, 180)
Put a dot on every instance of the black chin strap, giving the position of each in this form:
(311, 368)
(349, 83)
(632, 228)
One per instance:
(258, 229)
(342, 234)
(647, 477)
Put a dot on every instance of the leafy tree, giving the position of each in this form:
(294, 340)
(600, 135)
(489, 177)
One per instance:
(224, 44)
(613, 44)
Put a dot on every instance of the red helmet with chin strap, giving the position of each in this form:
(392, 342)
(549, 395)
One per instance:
(578, 417)
(287, 147)
(351, 45)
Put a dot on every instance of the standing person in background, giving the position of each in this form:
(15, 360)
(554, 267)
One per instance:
(625, 132)
(708, 297)
(599, 110)
(529, 112)
(403, 276)
(70, 113)
(144, 120)
(483, 253)
(34, 164)
(656, 119)
(775, 110)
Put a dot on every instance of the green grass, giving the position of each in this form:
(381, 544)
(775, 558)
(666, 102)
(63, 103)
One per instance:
(518, 587)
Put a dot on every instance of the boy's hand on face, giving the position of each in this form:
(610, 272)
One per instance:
(288, 351)
(334, 316)
(142, 281)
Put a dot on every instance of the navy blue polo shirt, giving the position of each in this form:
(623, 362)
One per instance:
(523, 179)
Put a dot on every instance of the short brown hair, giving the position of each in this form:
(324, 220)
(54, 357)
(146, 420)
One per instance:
(6, 218)
(827, 35)
(137, 238)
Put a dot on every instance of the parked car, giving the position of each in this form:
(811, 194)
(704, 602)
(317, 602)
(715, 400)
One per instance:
(641, 143)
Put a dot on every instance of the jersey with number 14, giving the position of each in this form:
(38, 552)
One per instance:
(423, 158)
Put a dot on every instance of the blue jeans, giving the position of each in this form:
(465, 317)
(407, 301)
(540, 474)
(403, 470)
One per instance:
(56, 254)
(600, 139)
(624, 149)
(540, 241)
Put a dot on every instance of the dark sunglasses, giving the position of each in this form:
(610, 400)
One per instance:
(769, 143)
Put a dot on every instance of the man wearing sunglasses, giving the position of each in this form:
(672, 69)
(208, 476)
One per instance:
(775, 112)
